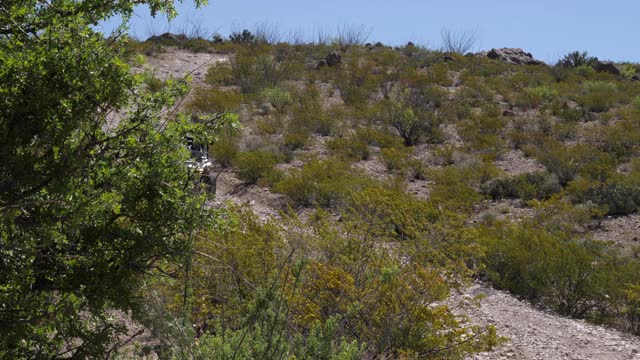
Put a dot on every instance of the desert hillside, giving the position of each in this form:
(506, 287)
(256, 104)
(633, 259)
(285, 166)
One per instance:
(515, 147)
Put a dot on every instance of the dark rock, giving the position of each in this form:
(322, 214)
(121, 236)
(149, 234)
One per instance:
(606, 66)
(368, 46)
(168, 36)
(636, 77)
(333, 59)
(447, 58)
(508, 113)
(512, 56)
(410, 45)
(378, 44)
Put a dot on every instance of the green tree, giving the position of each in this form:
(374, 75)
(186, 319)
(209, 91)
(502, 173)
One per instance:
(94, 192)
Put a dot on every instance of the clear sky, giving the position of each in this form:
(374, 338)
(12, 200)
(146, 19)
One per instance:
(546, 28)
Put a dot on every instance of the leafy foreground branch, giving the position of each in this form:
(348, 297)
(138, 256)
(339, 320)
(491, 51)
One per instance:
(88, 204)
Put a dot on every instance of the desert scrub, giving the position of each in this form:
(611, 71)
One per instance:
(374, 137)
(326, 183)
(539, 185)
(598, 96)
(534, 97)
(566, 162)
(256, 68)
(349, 148)
(278, 98)
(577, 278)
(482, 133)
(619, 195)
(308, 115)
(395, 159)
(219, 74)
(356, 82)
(412, 112)
(252, 166)
(214, 101)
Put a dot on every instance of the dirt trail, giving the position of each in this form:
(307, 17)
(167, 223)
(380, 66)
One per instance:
(535, 334)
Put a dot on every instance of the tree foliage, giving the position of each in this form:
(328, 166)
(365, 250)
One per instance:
(94, 192)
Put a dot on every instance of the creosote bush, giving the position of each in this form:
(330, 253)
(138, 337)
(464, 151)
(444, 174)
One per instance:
(252, 166)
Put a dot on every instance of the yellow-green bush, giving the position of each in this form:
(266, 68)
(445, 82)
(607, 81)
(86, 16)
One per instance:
(252, 166)
(214, 101)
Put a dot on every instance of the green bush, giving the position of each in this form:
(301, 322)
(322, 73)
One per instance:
(568, 161)
(255, 69)
(214, 101)
(377, 138)
(598, 96)
(620, 194)
(325, 183)
(528, 186)
(481, 133)
(575, 59)
(294, 141)
(349, 148)
(411, 113)
(394, 159)
(308, 115)
(252, 166)
(536, 96)
(224, 151)
(578, 278)
(277, 97)
(219, 74)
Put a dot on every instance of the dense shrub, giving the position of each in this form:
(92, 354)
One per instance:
(252, 166)
(482, 133)
(277, 97)
(413, 114)
(214, 101)
(575, 59)
(535, 96)
(220, 73)
(224, 150)
(308, 114)
(568, 161)
(598, 96)
(620, 194)
(349, 148)
(254, 70)
(321, 182)
(394, 159)
(576, 278)
(527, 186)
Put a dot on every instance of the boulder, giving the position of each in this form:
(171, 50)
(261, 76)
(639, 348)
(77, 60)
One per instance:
(410, 45)
(636, 77)
(168, 36)
(606, 66)
(333, 59)
(512, 56)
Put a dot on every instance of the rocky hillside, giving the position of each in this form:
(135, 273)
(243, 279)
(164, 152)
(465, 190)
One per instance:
(520, 149)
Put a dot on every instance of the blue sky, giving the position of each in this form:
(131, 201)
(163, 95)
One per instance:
(548, 29)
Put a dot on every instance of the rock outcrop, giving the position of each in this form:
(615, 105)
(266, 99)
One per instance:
(606, 66)
(511, 56)
(333, 59)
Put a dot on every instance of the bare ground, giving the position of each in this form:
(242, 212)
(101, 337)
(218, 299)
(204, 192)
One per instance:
(536, 334)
